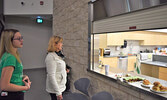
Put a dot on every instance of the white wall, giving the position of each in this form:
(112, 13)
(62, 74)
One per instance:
(38, 86)
(14, 7)
(36, 37)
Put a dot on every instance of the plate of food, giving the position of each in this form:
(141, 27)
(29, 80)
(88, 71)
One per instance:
(133, 79)
(120, 75)
(158, 88)
(146, 83)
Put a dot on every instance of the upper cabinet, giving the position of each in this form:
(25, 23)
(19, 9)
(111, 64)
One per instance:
(114, 39)
(28, 7)
(147, 37)
(144, 38)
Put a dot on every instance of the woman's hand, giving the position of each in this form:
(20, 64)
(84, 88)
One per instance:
(59, 97)
(25, 77)
(26, 81)
(68, 70)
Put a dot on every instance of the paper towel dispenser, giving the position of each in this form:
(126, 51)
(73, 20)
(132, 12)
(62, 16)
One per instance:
(125, 44)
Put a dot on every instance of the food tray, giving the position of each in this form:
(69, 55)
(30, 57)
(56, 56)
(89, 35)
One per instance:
(147, 86)
(133, 79)
(157, 91)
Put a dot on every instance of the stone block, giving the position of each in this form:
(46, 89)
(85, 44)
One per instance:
(148, 97)
(83, 60)
(129, 91)
(118, 94)
(130, 97)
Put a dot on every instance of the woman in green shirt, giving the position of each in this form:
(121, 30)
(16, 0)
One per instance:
(12, 81)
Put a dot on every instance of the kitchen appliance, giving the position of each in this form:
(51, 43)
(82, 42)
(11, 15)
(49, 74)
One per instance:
(123, 63)
(107, 52)
(146, 56)
(106, 69)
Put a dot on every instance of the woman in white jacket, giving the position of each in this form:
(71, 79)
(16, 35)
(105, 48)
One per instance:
(56, 69)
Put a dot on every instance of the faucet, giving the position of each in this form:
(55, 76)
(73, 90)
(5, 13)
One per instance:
(100, 64)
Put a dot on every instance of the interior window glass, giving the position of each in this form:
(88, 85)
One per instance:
(142, 52)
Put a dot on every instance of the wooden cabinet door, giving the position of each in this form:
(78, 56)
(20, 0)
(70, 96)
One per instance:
(102, 40)
(163, 73)
(146, 69)
(111, 61)
(131, 63)
(154, 71)
(114, 39)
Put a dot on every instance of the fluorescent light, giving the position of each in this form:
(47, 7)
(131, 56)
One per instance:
(159, 30)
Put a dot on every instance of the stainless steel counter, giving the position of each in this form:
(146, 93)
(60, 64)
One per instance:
(118, 56)
(156, 63)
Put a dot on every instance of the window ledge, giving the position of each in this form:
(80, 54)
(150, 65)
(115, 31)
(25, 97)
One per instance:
(134, 86)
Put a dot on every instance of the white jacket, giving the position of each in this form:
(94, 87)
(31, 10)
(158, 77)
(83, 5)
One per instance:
(56, 74)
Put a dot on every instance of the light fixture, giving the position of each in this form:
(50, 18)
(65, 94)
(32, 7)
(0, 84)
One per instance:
(159, 30)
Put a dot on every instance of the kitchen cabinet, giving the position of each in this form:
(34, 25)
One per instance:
(115, 39)
(154, 38)
(111, 61)
(144, 38)
(163, 73)
(131, 63)
(102, 40)
(112, 39)
(154, 71)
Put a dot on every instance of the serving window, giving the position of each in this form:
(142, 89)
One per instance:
(142, 52)
(130, 40)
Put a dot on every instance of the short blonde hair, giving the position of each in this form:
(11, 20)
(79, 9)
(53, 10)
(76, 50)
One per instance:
(52, 41)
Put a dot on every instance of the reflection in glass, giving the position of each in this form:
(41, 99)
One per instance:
(107, 8)
(141, 4)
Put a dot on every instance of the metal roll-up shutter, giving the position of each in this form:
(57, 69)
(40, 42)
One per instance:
(151, 18)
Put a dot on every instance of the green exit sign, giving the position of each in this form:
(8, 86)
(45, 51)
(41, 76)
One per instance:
(39, 20)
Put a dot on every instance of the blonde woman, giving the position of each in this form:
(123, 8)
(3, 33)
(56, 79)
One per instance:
(56, 69)
(13, 83)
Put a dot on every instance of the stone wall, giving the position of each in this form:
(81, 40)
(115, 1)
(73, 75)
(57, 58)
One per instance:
(70, 21)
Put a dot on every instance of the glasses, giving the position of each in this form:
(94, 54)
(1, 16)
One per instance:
(58, 42)
(19, 38)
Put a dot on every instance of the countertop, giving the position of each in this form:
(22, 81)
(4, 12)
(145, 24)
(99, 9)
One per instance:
(120, 56)
(156, 63)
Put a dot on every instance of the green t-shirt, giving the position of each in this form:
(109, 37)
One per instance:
(8, 59)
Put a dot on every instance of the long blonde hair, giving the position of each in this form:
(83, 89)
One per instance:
(6, 43)
(52, 41)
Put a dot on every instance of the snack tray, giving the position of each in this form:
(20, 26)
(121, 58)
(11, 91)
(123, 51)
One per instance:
(147, 86)
(156, 91)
